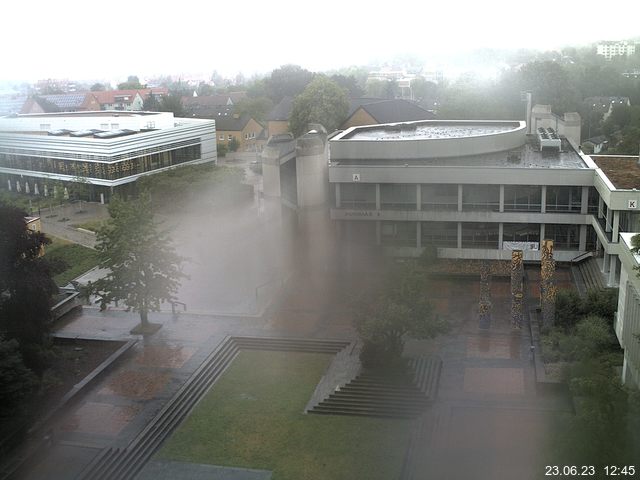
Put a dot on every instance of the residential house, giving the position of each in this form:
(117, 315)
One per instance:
(67, 102)
(595, 144)
(377, 111)
(278, 117)
(243, 128)
(128, 100)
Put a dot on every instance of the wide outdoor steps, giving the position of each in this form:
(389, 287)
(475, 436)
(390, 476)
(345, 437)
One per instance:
(591, 275)
(126, 463)
(377, 395)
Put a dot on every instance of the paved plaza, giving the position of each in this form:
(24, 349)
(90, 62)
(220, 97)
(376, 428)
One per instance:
(488, 422)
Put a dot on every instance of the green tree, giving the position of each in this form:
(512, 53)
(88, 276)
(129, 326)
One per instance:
(551, 84)
(144, 269)
(234, 144)
(132, 83)
(172, 103)
(16, 380)
(324, 102)
(98, 87)
(151, 104)
(288, 80)
(26, 286)
(256, 108)
(400, 309)
(348, 83)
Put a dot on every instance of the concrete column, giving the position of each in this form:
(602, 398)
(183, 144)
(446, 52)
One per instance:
(9, 184)
(418, 197)
(500, 235)
(583, 238)
(459, 197)
(459, 235)
(378, 232)
(377, 196)
(102, 198)
(542, 233)
(613, 270)
(608, 227)
(606, 260)
(616, 225)
(501, 209)
(600, 207)
(419, 234)
(584, 201)
(543, 200)
(338, 199)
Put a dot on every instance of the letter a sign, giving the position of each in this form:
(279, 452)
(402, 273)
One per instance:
(356, 177)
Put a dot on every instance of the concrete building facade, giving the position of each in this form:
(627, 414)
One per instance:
(107, 150)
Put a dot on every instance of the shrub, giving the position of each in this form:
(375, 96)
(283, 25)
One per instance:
(569, 309)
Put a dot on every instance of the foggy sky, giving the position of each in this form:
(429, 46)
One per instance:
(110, 40)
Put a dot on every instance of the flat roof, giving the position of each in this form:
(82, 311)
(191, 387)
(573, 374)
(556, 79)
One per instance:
(432, 129)
(623, 171)
(93, 113)
(525, 156)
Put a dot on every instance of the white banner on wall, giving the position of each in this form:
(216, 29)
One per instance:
(520, 245)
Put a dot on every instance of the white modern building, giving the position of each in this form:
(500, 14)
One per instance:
(627, 324)
(108, 150)
(610, 49)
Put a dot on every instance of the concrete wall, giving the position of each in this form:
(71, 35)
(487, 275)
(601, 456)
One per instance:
(343, 148)
(312, 170)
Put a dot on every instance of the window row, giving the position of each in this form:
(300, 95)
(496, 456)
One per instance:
(517, 198)
(106, 171)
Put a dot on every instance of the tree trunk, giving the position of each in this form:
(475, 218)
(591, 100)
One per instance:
(144, 321)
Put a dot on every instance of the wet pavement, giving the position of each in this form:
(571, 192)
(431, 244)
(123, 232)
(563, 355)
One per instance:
(489, 421)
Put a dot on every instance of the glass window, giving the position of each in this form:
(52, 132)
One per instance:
(358, 195)
(439, 197)
(563, 199)
(398, 196)
(565, 237)
(481, 197)
(440, 234)
(522, 198)
(521, 232)
(399, 234)
(480, 235)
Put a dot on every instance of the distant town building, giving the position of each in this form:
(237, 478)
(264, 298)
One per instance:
(610, 49)
(278, 117)
(128, 100)
(107, 150)
(244, 129)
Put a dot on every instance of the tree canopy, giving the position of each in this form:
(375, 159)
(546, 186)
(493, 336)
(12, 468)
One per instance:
(144, 269)
(26, 286)
(132, 83)
(324, 102)
(398, 310)
(288, 80)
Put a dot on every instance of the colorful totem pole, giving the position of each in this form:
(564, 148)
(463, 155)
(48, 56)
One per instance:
(517, 290)
(547, 283)
(485, 295)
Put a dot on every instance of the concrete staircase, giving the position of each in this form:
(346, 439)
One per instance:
(591, 276)
(373, 394)
(125, 463)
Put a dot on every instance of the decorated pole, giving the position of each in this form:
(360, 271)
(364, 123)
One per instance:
(517, 294)
(484, 307)
(547, 284)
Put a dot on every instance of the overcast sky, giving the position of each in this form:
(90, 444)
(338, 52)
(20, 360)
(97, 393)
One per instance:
(108, 40)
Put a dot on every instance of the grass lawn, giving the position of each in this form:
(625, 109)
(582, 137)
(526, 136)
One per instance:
(79, 258)
(253, 417)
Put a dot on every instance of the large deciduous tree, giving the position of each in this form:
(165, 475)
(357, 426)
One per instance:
(399, 310)
(324, 102)
(25, 287)
(288, 80)
(144, 269)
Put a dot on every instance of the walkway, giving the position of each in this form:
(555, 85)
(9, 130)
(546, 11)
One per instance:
(489, 422)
